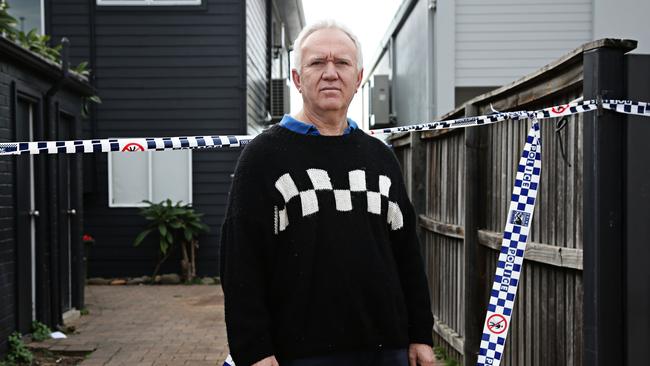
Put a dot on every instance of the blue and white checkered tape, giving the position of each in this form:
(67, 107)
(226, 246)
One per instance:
(123, 145)
(513, 246)
(229, 361)
(200, 142)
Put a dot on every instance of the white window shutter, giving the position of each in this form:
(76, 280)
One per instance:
(171, 176)
(128, 179)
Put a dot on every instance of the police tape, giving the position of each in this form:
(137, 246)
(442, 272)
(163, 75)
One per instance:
(122, 145)
(201, 142)
(622, 106)
(513, 247)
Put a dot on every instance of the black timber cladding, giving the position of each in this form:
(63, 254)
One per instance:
(7, 220)
(160, 71)
(25, 80)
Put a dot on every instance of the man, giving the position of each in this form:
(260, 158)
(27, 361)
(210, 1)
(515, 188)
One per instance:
(320, 259)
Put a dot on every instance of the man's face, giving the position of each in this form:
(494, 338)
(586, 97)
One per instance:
(329, 77)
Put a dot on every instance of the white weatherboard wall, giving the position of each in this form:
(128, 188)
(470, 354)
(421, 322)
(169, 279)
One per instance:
(623, 19)
(498, 41)
(442, 46)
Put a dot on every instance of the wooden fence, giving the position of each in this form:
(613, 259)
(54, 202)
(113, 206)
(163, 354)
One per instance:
(460, 182)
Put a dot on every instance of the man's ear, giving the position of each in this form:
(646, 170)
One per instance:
(295, 77)
(359, 78)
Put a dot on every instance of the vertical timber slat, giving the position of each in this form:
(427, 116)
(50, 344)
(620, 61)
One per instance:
(471, 262)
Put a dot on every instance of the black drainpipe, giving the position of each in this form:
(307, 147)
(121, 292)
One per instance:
(51, 115)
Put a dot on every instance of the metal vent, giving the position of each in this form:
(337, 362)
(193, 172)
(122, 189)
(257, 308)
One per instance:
(279, 98)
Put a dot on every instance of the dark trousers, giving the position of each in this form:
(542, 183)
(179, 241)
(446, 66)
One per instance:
(388, 357)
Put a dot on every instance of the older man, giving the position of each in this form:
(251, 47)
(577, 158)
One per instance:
(320, 259)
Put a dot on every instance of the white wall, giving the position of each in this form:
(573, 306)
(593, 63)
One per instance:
(623, 19)
(444, 55)
(498, 41)
(410, 71)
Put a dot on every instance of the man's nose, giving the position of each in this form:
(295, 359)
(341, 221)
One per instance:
(330, 72)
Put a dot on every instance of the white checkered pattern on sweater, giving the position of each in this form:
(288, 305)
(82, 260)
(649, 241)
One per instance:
(343, 197)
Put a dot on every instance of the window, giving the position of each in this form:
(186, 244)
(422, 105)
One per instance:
(153, 175)
(28, 14)
(147, 2)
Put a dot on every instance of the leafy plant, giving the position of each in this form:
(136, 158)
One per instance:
(441, 354)
(18, 351)
(85, 104)
(174, 224)
(40, 331)
(39, 44)
(84, 311)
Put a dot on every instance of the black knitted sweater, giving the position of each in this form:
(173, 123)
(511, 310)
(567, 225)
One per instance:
(319, 253)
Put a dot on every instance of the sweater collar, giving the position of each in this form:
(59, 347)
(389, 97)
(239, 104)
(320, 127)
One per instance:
(303, 128)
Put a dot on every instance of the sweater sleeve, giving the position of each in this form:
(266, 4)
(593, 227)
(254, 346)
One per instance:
(406, 249)
(244, 241)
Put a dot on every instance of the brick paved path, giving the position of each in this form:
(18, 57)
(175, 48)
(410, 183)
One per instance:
(150, 325)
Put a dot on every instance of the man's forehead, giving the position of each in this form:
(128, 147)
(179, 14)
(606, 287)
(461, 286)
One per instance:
(329, 41)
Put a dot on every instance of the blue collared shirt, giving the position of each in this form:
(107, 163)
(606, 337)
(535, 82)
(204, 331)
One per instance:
(294, 125)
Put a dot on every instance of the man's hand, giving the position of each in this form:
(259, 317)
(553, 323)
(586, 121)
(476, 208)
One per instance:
(269, 361)
(421, 354)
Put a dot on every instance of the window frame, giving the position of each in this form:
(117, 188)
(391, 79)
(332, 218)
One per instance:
(42, 30)
(150, 181)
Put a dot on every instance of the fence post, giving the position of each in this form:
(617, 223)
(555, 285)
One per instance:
(473, 261)
(603, 169)
(637, 186)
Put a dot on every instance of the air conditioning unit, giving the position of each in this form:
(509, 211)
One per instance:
(279, 99)
(380, 101)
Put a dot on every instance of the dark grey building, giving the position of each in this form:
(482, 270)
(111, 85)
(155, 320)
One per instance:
(171, 68)
(41, 254)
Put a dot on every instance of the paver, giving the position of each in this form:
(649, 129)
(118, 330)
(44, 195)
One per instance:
(150, 325)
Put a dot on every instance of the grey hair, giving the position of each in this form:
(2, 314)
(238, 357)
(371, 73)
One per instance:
(323, 24)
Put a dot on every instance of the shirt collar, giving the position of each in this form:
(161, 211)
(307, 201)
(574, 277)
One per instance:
(294, 125)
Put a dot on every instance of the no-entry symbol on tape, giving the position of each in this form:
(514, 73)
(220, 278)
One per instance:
(497, 323)
(133, 146)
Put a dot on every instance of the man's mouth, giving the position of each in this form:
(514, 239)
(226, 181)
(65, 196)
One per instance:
(329, 89)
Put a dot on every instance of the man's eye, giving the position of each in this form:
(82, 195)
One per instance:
(342, 62)
(317, 62)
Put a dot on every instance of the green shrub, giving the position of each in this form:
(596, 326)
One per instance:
(440, 352)
(40, 331)
(18, 352)
(174, 224)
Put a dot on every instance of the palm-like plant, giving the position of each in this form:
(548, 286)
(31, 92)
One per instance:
(174, 223)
